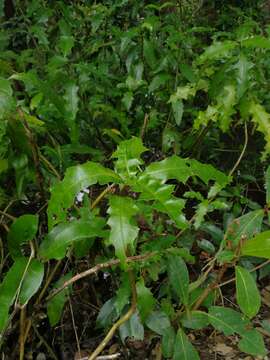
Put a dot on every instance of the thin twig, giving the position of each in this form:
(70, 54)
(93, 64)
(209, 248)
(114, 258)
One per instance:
(121, 321)
(41, 338)
(97, 268)
(145, 122)
(11, 217)
(101, 195)
(242, 152)
(74, 327)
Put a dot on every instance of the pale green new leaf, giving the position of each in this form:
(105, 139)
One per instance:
(258, 246)
(245, 226)
(76, 178)
(262, 119)
(183, 349)
(58, 240)
(178, 277)
(207, 172)
(123, 228)
(128, 155)
(71, 108)
(242, 68)
(256, 42)
(247, 293)
(22, 230)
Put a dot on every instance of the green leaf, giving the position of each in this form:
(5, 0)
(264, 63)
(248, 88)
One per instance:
(32, 281)
(207, 172)
(252, 343)
(56, 304)
(242, 68)
(158, 322)
(128, 155)
(245, 227)
(66, 43)
(247, 293)
(6, 101)
(71, 108)
(217, 50)
(258, 246)
(187, 72)
(171, 168)
(178, 277)
(132, 328)
(11, 285)
(178, 109)
(267, 185)
(262, 119)
(123, 293)
(183, 349)
(256, 42)
(158, 81)
(22, 230)
(76, 178)
(127, 100)
(107, 314)
(146, 300)
(195, 320)
(56, 243)
(168, 341)
(164, 201)
(123, 229)
(229, 322)
(149, 53)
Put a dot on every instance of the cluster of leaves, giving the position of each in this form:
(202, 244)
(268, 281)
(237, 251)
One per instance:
(76, 81)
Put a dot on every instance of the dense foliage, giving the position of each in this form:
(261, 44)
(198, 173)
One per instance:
(134, 146)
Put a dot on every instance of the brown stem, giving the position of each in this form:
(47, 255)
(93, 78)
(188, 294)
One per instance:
(121, 321)
(97, 268)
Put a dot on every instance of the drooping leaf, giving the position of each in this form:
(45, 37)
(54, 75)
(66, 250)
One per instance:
(158, 322)
(262, 119)
(76, 178)
(128, 155)
(146, 300)
(132, 328)
(23, 279)
(22, 231)
(56, 243)
(258, 246)
(123, 229)
(71, 108)
(107, 314)
(183, 349)
(178, 277)
(5, 97)
(56, 304)
(178, 109)
(123, 293)
(247, 293)
(242, 68)
(149, 53)
(245, 227)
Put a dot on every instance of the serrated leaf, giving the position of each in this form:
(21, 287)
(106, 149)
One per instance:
(242, 68)
(207, 172)
(267, 185)
(171, 168)
(123, 229)
(76, 178)
(183, 349)
(11, 285)
(247, 293)
(262, 119)
(22, 230)
(132, 328)
(195, 320)
(56, 243)
(56, 304)
(146, 300)
(158, 322)
(123, 293)
(217, 50)
(164, 201)
(178, 277)
(245, 227)
(256, 42)
(128, 155)
(258, 246)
